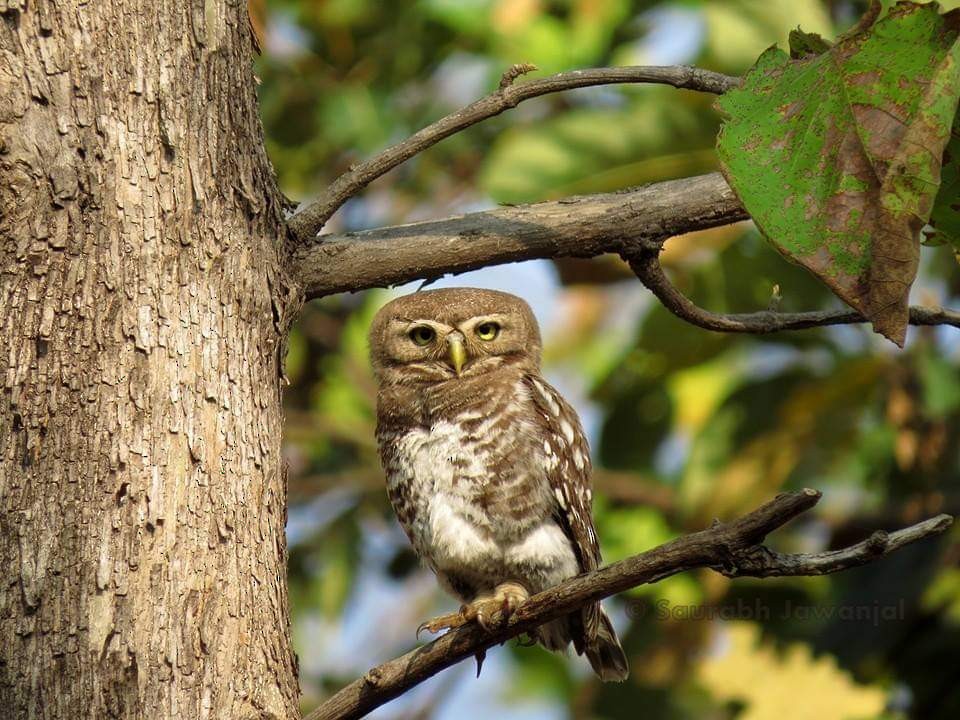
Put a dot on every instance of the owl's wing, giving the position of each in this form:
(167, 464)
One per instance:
(568, 470)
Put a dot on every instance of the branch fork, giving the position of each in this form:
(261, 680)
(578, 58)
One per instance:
(633, 223)
(646, 265)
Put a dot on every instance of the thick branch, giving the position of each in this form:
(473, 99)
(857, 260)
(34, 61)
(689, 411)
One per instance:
(308, 220)
(647, 267)
(733, 548)
(579, 226)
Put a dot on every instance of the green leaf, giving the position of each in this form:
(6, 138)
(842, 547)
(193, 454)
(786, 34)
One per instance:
(945, 218)
(803, 44)
(837, 156)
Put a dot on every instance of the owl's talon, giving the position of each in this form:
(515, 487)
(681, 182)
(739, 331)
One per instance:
(483, 616)
(512, 595)
(488, 611)
(444, 622)
(494, 610)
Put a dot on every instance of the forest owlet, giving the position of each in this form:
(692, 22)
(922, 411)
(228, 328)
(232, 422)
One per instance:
(487, 466)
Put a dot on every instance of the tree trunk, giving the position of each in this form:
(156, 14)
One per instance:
(143, 307)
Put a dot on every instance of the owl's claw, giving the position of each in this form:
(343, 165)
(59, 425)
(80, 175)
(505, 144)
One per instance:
(496, 609)
(489, 611)
(444, 622)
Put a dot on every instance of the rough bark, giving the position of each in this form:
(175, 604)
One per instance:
(142, 310)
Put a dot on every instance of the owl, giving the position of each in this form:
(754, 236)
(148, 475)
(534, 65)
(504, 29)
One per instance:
(486, 464)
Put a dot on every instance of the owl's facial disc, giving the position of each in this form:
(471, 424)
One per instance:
(452, 334)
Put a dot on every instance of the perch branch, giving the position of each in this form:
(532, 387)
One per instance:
(310, 218)
(578, 226)
(735, 549)
(646, 265)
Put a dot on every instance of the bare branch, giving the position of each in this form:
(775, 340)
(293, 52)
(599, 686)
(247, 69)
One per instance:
(633, 223)
(309, 219)
(646, 265)
(736, 549)
(579, 226)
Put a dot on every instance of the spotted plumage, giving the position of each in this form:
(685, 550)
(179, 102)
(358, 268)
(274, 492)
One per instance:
(487, 466)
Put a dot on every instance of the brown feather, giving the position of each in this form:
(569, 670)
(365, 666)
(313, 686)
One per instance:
(488, 468)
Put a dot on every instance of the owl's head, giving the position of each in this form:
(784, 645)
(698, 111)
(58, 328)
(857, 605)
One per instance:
(440, 335)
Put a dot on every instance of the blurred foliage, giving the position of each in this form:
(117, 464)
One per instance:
(789, 675)
(686, 425)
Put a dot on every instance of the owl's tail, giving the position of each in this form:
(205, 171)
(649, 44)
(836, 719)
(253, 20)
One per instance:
(599, 643)
(606, 654)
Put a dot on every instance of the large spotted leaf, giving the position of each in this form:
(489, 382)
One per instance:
(837, 154)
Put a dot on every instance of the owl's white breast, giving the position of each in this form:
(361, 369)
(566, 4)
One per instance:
(543, 558)
(475, 499)
(442, 475)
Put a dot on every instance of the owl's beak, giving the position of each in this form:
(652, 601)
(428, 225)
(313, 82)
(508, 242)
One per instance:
(456, 352)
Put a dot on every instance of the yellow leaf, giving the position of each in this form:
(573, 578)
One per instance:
(788, 684)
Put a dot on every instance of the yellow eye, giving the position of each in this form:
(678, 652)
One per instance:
(487, 331)
(423, 334)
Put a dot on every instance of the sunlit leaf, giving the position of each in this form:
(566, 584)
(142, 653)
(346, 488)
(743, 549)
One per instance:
(793, 684)
(697, 391)
(345, 399)
(761, 432)
(341, 12)
(465, 16)
(627, 531)
(575, 34)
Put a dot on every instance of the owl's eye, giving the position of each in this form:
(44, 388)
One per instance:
(423, 334)
(487, 331)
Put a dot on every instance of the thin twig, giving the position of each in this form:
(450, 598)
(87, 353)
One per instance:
(583, 226)
(309, 219)
(513, 72)
(736, 549)
(646, 265)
